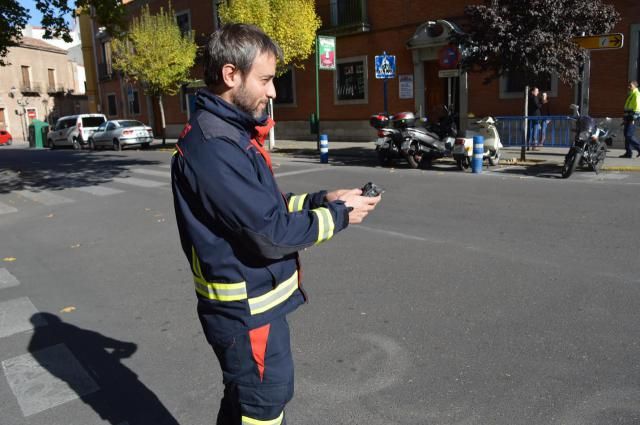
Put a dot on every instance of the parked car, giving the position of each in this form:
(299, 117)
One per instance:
(74, 130)
(120, 133)
(5, 138)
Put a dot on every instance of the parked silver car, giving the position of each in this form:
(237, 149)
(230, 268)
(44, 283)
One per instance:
(117, 134)
(74, 130)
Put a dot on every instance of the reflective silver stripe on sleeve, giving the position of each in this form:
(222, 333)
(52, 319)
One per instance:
(276, 296)
(325, 224)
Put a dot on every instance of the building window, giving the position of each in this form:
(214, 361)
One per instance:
(351, 80)
(512, 85)
(112, 107)
(183, 19)
(26, 79)
(634, 52)
(51, 74)
(134, 103)
(285, 86)
(106, 56)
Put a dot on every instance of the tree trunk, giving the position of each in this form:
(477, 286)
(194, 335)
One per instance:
(523, 155)
(164, 138)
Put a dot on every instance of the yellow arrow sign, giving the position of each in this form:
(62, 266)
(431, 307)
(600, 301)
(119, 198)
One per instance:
(600, 42)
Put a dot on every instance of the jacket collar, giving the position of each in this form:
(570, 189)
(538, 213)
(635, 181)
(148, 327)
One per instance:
(228, 112)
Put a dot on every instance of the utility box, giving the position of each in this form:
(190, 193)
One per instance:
(38, 134)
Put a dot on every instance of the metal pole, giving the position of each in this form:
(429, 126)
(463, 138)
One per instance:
(318, 92)
(385, 96)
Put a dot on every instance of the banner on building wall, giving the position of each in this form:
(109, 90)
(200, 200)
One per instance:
(406, 86)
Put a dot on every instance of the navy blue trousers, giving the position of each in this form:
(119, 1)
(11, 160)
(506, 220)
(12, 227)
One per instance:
(257, 372)
(630, 140)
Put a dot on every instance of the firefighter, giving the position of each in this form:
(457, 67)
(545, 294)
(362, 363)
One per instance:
(240, 234)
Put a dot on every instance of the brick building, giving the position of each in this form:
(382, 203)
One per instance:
(416, 34)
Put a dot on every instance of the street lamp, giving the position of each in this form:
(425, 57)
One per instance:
(22, 102)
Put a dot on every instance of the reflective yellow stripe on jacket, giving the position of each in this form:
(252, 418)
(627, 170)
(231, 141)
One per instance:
(296, 202)
(275, 297)
(216, 290)
(250, 421)
(219, 291)
(325, 224)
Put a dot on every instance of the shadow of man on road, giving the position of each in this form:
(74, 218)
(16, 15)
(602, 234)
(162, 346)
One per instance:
(118, 396)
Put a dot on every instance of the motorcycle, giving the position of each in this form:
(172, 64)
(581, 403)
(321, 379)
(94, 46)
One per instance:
(463, 146)
(389, 141)
(399, 137)
(423, 145)
(589, 146)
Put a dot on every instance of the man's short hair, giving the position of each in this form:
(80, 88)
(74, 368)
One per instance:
(634, 82)
(238, 45)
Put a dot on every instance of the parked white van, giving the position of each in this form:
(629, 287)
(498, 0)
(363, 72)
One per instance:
(74, 130)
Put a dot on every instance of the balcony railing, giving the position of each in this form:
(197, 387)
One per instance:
(341, 17)
(31, 88)
(105, 72)
(55, 89)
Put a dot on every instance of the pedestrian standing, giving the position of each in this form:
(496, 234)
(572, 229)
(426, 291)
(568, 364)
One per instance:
(631, 118)
(240, 234)
(534, 111)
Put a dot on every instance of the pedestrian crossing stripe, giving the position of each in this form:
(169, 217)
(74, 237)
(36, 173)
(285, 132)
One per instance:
(18, 315)
(99, 190)
(44, 197)
(6, 209)
(148, 172)
(133, 181)
(7, 280)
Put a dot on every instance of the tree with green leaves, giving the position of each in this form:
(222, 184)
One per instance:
(290, 23)
(156, 54)
(13, 19)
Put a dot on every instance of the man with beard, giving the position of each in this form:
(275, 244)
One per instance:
(240, 234)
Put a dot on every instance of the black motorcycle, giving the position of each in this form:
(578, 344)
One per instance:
(589, 146)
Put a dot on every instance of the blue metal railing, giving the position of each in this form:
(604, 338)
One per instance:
(550, 130)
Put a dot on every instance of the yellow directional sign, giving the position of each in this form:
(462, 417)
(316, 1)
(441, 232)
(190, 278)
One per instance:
(600, 42)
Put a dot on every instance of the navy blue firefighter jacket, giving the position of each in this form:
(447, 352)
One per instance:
(240, 234)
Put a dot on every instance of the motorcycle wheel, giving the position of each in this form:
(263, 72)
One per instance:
(494, 158)
(571, 161)
(599, 158)
(414, 156)
(463, 163)
(384, 158)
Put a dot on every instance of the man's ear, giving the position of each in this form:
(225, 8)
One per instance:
(230, 75)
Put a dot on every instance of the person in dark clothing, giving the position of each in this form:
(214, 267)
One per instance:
(240, 233)
(534, 110)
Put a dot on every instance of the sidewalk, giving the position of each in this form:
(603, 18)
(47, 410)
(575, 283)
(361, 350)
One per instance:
(510, 156)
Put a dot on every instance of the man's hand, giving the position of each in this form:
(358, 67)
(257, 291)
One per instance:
(361, 205)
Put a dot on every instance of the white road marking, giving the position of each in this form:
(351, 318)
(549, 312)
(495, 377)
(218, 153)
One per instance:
(99, 190)
(44, 197)
(309, 170)
(5, 209)
(18, 315)
(148, 172)
(7, 279)
(47, 378)
(138, 182)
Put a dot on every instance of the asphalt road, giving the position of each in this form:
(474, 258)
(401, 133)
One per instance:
(501, 298)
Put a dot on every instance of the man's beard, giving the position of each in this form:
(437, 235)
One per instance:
(243, 101)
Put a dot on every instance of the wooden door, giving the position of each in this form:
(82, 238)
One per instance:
(435, 91)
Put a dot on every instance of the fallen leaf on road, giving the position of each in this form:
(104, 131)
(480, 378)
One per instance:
(147, 209)
(68, 309)
(8, 259)
(75, 246)
(50, 216)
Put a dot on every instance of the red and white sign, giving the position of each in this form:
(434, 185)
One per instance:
(31, 113)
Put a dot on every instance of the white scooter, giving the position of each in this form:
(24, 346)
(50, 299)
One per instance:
(463, 146)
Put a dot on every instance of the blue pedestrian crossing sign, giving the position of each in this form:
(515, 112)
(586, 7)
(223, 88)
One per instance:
(385, 66)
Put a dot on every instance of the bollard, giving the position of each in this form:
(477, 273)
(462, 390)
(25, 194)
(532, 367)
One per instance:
(324, 149)
(478, 153)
